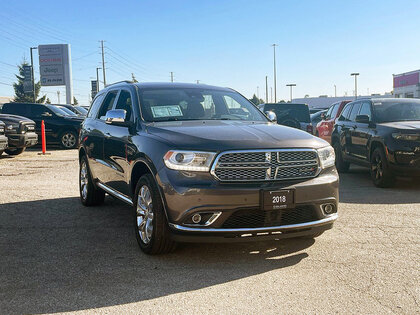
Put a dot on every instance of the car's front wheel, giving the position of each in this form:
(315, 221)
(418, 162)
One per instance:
(14, 151)
(90, 195)
(341, 165)
(68, 139)
(151, 227)
(381, 175)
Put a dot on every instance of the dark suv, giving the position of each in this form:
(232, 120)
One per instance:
(21, 133)
(59, 127)
(202, 163)
(383, 134)
(3, 138)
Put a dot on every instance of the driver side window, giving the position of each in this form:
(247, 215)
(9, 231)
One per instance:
(125, 103)
(107, 104)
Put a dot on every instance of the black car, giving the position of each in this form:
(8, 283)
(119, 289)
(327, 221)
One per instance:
(3, 138)
(290, 114)
(383, 134)
(59, 127)
(77, 110)
(200, 163)
(20, 132)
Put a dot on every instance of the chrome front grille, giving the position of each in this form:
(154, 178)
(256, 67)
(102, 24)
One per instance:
(266, 165)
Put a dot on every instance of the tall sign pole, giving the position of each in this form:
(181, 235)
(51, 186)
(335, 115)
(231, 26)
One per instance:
(32, 71)
(68, 74)
(97, 79)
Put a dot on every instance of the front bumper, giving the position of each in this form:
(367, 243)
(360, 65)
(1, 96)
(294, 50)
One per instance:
(239, 203)
(3, 142)
(22, 140)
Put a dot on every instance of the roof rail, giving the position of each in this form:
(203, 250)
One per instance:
(124, 81)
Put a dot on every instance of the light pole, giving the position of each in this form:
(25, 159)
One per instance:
(32, 70)
(97, 79)
(355, 74)
(335, 90)
(275, 75)
(258, 92)
(291, 87)
(266, 90)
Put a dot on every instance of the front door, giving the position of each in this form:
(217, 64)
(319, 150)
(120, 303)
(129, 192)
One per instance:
(362, 132)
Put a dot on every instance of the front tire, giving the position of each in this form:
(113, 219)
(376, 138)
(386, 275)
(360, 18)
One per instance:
(341, 165)
(90, 195)
(382, 176)
(151, 226)
(68, 139)
(14, 151)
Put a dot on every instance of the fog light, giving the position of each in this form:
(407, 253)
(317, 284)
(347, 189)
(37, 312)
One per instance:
(328, 208)
(196, 218)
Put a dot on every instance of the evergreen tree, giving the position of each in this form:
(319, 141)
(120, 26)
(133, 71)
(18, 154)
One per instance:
(20, 95)
(48, 101)
(75, 102)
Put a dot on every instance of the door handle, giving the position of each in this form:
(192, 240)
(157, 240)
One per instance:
(107, 134)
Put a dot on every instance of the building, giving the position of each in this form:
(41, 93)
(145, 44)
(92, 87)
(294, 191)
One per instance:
(407, 84)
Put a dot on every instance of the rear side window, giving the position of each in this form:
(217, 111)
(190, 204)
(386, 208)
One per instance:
(355, 111)
(346, 113)
(334, 111)
(299, 112)
(107, 104)
(93, 110)
(15, 109)
(36, 111)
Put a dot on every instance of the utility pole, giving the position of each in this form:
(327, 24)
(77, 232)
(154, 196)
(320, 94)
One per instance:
(291, 87)
(258, 92)
(275, 76)
(335, 90)
(355, 74)
(198, 81)
(97, 79)
(32, 70)
(266, 90)
(271, 91)
(172, 76)
(103, 61)
(58, 97)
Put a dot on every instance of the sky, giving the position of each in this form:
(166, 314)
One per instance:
(224, 43)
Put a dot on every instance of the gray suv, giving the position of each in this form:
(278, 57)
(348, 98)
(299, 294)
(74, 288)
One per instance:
(199, 163)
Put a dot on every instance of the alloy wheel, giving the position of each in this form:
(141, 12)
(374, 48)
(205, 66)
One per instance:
(68, 140)
(145, 214)
(377, 167)
(84, 180)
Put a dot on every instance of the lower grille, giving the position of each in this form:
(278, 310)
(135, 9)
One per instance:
(255, 218)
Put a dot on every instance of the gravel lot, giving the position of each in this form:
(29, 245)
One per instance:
(58, 256)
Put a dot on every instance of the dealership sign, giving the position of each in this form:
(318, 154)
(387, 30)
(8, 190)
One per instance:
(28, 85)
(52, 59)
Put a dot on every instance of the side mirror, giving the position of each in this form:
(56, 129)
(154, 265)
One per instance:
(115, 117)
(271, 116)
(363, 119)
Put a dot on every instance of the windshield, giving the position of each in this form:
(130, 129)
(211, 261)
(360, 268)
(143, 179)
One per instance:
(297, 111)
(81, 110)
(396, 110)
(57, 110)
(196, 104)
(67, 111)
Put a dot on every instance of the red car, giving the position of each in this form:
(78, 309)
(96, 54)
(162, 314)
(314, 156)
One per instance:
(325, 127)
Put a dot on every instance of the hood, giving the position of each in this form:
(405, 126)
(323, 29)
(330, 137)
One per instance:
(407, 125)
(6, 118)
(221, 135)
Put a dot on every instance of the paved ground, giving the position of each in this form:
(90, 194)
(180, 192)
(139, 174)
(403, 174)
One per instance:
(57, 256)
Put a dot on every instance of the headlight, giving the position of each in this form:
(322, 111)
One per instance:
(189, 160)
(326, 156)
(406, 136)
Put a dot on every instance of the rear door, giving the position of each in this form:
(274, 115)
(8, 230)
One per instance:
(343, 127)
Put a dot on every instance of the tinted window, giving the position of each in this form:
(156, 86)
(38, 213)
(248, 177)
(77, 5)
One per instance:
(328, 113)
(297, 111)
(355, 111)
(124, 102)
(16, 109)
(37, 111)
(396, 110)
(346, 113)
(95, 105)
(365, 110)
(107, 104)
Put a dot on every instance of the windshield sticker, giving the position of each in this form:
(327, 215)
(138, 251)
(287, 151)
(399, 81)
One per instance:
(166, 111)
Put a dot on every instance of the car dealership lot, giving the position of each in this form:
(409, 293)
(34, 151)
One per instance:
(58, 256)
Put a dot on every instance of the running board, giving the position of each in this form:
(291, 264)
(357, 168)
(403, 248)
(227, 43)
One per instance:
(115, 193)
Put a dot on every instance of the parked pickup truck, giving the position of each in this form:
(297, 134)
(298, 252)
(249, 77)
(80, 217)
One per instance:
(3, 138)
(20, 132)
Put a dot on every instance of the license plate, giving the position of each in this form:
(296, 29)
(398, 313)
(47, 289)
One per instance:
(278, 199)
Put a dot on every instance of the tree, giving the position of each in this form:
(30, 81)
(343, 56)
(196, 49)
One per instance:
(256, 100)
(20, 95)
(48, 101)
(75, 102)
